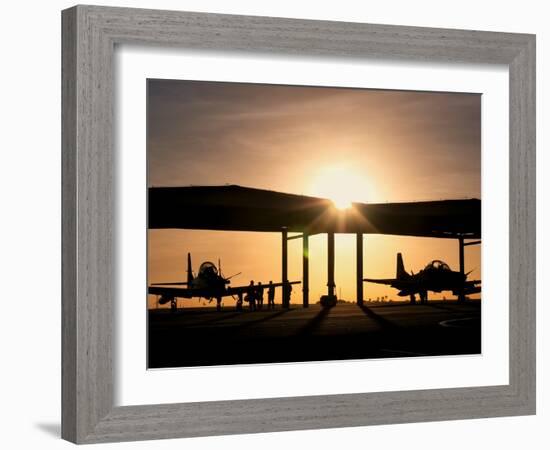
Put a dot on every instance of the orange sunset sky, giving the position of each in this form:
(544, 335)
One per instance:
(339, 143)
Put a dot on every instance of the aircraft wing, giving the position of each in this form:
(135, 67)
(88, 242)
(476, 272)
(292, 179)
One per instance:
(174, 291)
(236, 290)
(388, 281)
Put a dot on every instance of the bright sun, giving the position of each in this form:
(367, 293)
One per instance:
(342, 185)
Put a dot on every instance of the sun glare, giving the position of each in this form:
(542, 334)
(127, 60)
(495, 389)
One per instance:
(342, 185)
(341, 203)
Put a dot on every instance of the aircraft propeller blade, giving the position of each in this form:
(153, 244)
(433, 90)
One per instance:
(228, 278)
(468, 273)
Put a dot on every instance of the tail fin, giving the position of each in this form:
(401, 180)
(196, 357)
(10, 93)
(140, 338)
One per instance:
(400, 269)
(189, 270)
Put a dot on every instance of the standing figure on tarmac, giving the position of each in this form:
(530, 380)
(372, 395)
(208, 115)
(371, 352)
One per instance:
(239, 305)
(287, 292)
(270, 295)
(251, 294)
(260, 295)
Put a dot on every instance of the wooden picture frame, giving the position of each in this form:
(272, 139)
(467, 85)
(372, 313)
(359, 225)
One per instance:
(90, 34)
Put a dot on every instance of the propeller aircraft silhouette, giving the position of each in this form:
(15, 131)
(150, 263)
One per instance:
(437, 276)
(209, 283)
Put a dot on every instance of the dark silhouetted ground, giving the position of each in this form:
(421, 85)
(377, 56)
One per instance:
(204, 337)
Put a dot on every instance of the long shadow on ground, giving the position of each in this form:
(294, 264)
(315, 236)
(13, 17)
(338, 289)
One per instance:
(294, 335)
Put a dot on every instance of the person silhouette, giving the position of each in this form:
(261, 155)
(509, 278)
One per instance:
(251, 294)
(270, 295)
(287, 293)
(239, 304)
(260, 295)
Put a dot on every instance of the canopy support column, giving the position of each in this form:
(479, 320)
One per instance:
(305, 270)
(359, 279)
(330, 265)
(284, 268)
(461, 296)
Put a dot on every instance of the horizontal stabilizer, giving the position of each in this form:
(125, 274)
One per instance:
(380, 281)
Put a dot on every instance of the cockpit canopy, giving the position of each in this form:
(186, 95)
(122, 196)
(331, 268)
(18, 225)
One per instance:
(208, 268)
(437, 265)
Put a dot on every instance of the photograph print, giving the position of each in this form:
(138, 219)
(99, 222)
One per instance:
(305, 223)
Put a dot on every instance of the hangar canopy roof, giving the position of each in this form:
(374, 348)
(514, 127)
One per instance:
(237, 208)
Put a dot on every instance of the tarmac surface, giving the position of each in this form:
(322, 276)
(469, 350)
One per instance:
(205, 337)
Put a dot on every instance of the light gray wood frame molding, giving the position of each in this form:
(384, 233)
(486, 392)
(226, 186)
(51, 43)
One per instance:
(89, 37)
